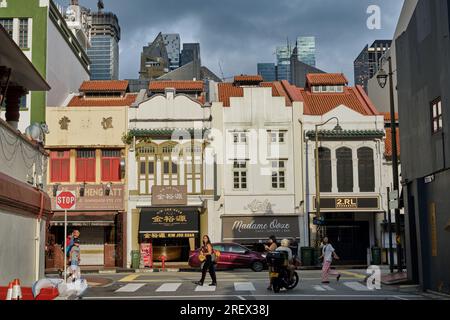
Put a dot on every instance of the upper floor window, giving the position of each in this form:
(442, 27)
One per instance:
(8, 25)
(325, 175)
(111, 165)
(277, 136)
(239, 137)
(240, 174)
(436, 115)
(278, 174)
(344, 169)
(366, 170)
(85, 166)
(60, 166)
(23, 33)
(329, 89)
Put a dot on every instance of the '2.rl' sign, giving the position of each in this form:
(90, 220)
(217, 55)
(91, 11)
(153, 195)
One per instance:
(65, 200)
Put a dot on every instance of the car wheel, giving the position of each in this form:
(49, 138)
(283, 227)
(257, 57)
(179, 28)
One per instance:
(257, 266)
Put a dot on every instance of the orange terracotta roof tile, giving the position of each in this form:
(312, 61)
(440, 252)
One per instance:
(321, 103)
(279, 89)
(248, 78)
(158, 86)
(388, 142)
(228, 90)
(101, 85)
(315, 79)
(78, 101)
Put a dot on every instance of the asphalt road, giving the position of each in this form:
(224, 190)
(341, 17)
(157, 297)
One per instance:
(243, 285)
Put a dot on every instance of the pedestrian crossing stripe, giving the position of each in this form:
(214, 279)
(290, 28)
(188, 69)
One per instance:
(169, 287)
(357, 286)
(238, 287)
(205, 288)
(244, 286)
(131, 287)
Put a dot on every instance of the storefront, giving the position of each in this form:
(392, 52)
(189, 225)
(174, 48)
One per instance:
(254, 231)
(350, 224)
(100, 218)
(171, 231)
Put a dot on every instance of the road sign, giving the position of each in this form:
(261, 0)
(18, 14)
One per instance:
(393, 204)
(66, 200)
(319, 221)
(393, 195)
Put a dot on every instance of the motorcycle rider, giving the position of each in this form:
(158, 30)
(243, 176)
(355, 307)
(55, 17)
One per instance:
(285, 247)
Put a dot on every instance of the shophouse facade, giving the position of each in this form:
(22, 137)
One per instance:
(170, 181)
(351, 170)
(257, 144)
(88, 156)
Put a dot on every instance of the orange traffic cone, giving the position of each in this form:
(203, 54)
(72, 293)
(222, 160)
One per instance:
(17, 291)
(10, 291)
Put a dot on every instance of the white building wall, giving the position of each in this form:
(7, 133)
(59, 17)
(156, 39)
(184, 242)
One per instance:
(65, 73)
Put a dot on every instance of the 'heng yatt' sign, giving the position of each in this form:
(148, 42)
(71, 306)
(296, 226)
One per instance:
(256, 228)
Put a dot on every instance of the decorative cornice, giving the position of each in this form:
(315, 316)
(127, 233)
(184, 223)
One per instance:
(345, 134)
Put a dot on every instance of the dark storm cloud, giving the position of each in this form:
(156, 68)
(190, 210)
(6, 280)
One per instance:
(240, 33)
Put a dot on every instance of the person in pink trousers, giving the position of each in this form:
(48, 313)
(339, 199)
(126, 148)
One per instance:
(328, 253)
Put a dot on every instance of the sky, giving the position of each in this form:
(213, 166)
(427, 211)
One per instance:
(237, 34)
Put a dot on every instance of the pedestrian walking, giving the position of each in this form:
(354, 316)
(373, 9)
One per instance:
(328, 253)
(208, 258)
(271, 246)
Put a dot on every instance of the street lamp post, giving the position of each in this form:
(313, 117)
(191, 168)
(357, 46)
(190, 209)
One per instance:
(319, 234)
(382, 80)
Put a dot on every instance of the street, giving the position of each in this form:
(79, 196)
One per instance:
(241, 285)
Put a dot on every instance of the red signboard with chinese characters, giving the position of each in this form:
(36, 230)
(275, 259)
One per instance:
(147, 254)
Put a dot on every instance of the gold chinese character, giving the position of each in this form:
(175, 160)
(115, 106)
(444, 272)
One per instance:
(157, 219)
(181, 218)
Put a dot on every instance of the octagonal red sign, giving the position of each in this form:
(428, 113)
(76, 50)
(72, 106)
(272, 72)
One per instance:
(66, 200)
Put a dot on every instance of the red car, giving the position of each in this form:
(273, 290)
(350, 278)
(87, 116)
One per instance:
(232, 256)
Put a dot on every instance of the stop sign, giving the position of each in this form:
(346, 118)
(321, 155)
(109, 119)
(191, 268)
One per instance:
(65, 200)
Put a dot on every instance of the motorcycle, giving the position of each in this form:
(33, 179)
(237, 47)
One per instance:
(279, 273)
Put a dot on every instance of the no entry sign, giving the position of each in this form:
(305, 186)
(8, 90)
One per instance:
(65, 200)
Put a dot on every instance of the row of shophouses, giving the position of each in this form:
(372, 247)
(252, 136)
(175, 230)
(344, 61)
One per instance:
(232, 160)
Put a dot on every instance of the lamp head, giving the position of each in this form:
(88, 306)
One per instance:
(382, 78)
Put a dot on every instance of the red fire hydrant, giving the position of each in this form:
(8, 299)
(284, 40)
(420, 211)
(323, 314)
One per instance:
(163, 260)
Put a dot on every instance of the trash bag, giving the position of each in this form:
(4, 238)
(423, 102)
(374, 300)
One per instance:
(45, 283)
(77, 288)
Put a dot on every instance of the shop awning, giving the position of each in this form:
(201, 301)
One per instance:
(85, 218)
(169, 220)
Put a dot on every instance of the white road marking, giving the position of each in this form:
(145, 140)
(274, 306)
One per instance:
(244, 286)
(400, 298)
(356, 286)
(328, 288)
(131, 287)
(169, 287)
(240, 297)
(319, 288)
(205, 288)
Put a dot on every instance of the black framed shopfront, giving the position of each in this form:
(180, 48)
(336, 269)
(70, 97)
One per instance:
(172, 230)
(348, 222)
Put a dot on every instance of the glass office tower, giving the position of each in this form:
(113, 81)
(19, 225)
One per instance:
(268, 71)
(104, 50)
(307, 50)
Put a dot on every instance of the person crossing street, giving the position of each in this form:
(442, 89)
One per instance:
(209, 259)
(328, 253)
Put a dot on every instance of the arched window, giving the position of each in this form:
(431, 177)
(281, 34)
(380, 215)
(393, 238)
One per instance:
(344, 169)
(325, 169)
(366, 170)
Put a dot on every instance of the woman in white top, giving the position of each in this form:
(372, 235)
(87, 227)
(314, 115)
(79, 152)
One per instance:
(328, 253)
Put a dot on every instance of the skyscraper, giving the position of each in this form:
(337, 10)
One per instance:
(104, 50)
(172, 42)
(268, 71)
(190, 52)
(307, 50)
(154, 59)
(368, 61)
(283, 62)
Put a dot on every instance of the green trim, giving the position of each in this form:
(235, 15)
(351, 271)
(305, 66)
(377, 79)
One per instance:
(345, 134)
(31, 9)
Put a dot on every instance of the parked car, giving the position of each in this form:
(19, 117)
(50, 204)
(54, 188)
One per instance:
(232, 256)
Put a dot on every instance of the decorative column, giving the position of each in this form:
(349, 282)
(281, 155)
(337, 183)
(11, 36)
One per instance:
(12, 100)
